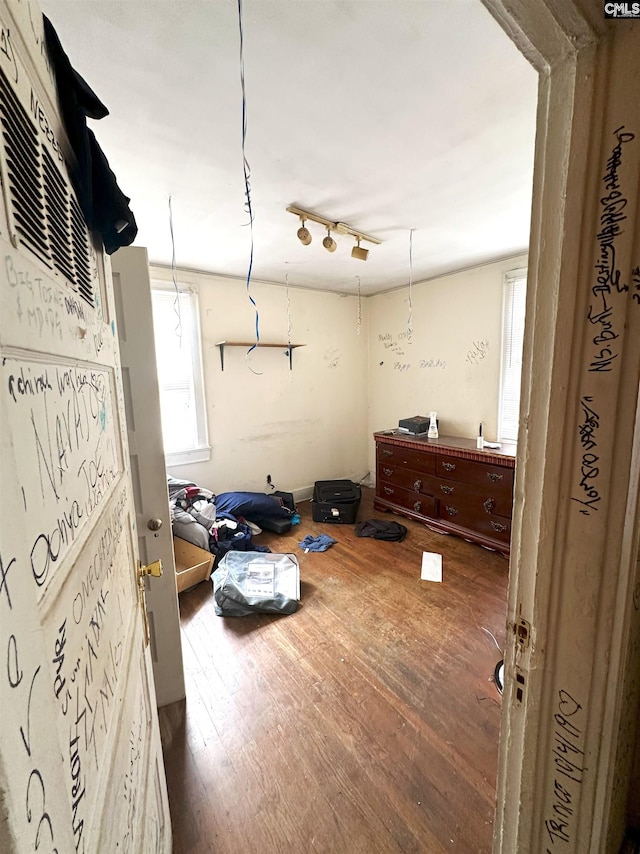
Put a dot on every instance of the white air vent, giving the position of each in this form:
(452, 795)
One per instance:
(43, 211)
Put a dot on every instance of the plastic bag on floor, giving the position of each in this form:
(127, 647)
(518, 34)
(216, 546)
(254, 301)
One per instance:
(253, 582)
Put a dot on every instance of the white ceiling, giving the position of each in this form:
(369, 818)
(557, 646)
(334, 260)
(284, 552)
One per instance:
(384, 114)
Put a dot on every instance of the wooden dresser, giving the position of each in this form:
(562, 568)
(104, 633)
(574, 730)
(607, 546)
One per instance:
(448, 484)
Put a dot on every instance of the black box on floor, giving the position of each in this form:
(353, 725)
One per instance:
(335, 501)
(275, 524)
(286, 498)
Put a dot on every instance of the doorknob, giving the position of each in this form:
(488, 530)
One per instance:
(154, 524)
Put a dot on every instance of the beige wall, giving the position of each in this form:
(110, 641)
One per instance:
(452, 362)
(316, 422)
(298, 426)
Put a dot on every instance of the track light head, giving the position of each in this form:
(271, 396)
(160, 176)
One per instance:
(304, 235)
(337, 226)
(358, 252)
(329, 243)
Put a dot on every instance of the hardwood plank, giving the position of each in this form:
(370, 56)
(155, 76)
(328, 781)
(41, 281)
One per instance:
(365, 722)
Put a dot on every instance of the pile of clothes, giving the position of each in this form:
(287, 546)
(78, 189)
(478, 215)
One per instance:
(224, 522)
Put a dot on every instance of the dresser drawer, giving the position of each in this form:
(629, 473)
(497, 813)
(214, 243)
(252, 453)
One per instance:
(399, 457)
(492, 500)
(449, 485)
(423, 504)
(499, 478)
(467, 515)
(404, 477)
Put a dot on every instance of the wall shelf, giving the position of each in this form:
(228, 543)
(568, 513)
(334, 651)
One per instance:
(288, 349)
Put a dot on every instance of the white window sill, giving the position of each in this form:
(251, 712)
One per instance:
(182, 458)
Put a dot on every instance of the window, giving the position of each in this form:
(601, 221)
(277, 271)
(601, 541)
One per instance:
(176, 326)
(515, 289)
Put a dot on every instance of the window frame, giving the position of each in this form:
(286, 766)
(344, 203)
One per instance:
(202, 451)
(512, 279)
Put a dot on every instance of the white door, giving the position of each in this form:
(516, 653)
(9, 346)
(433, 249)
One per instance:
(80, 758)
(132, 291)
(572, 692)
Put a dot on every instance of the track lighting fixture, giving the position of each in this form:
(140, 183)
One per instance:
(304, 235)
(358, 252)
(329, 243)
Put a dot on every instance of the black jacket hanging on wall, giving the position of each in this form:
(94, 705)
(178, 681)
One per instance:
(105, 207)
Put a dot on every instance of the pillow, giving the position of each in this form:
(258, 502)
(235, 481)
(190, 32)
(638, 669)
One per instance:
(252, 505)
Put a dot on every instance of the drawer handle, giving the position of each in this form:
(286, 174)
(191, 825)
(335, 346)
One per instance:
(388, 472)
(499, 527)
(417, 506)
(452, 511)
(449, 466)
(388, 490)
(417, 484)
(387, 453)
(446, 489)
(489, 505)
(494, 477)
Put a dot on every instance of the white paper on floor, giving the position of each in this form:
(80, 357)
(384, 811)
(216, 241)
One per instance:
(431, 567)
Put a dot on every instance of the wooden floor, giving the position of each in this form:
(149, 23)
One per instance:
(365, 722)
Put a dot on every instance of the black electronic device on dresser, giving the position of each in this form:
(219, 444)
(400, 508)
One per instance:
(448, 484)
(418, 424)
